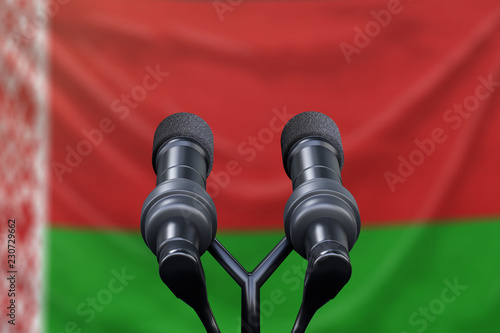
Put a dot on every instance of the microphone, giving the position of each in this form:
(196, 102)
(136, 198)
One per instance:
(178, 218)
(321, 217)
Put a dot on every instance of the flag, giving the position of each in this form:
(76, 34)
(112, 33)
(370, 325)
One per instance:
(412, 85)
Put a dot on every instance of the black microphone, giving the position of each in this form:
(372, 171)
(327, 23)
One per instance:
(321, 217)
(178, 218)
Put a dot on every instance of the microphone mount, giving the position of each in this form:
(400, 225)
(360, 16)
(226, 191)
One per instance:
(321, 218)
(250, 282)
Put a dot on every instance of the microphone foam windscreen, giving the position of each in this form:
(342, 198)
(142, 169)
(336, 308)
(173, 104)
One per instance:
(308, 124)
(188, 125)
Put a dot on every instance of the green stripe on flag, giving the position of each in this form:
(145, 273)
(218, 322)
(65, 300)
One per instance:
(416, 278)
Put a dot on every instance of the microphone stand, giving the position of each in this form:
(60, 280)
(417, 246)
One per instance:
(250, 282)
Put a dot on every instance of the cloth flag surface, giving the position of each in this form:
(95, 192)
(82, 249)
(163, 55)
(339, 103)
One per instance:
(414, 87)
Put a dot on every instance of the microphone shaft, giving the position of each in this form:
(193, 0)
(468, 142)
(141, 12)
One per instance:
(313, 158)
(181, 158)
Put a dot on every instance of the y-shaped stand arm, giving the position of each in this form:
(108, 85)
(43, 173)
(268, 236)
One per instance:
(251, 283)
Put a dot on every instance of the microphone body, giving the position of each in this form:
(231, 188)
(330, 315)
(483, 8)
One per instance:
(179, 209)
(178, 218)
(321, 217)
(320, 209)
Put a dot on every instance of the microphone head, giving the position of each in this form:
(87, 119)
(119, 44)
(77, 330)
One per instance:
(310, 124)
(187, 125)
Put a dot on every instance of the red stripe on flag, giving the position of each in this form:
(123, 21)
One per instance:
(390, 75)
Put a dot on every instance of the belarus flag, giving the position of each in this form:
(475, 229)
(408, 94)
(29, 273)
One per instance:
(414, 87)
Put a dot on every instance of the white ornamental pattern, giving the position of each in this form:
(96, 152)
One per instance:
(23, 155)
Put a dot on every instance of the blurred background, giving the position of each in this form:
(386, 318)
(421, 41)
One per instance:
(414, 87)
